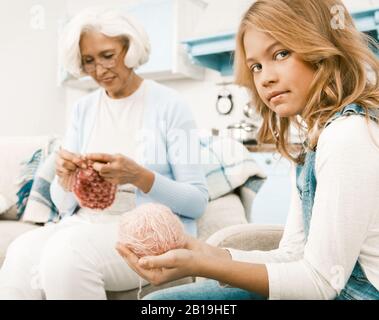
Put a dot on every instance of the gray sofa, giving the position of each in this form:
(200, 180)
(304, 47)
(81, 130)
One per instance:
(231, 209)
(223, 212)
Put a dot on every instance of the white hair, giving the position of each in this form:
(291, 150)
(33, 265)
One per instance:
(109, 22)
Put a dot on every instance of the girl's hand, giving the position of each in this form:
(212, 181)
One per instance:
(66, 165)
(119, 169)
(172, 265)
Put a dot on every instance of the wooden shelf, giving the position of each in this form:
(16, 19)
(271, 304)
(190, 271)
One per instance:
(267, 147)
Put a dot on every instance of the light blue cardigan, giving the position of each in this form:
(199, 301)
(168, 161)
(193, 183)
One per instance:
(181, 187)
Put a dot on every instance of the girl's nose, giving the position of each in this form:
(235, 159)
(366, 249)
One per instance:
(269, 77)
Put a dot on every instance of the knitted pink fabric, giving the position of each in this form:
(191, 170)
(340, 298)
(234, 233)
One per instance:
(151, 229)
(91, 190)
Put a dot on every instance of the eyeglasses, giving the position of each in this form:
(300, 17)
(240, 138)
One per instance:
(108, 61)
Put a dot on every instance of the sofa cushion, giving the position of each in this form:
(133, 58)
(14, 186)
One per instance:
(14, 151)
(220, 213)
(10, 230)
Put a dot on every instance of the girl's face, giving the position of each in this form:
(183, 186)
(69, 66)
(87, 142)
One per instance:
(282, 79)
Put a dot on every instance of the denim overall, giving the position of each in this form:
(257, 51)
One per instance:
(358, 286)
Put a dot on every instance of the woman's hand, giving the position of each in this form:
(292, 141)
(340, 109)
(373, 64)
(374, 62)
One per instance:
(119, 169)
(66, 165)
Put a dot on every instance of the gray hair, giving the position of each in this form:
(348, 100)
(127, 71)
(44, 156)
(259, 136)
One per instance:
(109, 22)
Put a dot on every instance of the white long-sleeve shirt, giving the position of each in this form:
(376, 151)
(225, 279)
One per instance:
(345, 219)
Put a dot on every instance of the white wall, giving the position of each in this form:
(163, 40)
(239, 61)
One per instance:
(202, 97)
(31, 103)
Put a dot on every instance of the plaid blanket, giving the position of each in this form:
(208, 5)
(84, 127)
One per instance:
(229, 165)
(34, 203)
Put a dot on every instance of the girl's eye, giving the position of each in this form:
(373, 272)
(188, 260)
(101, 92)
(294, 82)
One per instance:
(108, 56)
(255, 68)
(88, 61)
(282, 54)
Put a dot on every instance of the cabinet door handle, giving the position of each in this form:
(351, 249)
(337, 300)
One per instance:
(268, 161)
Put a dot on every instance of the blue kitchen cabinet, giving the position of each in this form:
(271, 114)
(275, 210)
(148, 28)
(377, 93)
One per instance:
(272, 202)
(367, 21)
(214, 52)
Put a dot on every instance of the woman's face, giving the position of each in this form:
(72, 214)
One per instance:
(282, 79)
(103, 57)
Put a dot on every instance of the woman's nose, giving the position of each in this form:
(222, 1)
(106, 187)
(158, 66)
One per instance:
(100, 70)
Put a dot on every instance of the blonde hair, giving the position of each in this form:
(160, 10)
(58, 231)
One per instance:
(341, 57)
(110, 22)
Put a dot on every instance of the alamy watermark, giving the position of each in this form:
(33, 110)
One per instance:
(38, 17)
(338, 19)
(185, 147)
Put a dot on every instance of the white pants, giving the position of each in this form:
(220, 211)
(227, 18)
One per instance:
(74, 259)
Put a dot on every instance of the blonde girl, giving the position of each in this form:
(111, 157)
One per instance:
(308, 66)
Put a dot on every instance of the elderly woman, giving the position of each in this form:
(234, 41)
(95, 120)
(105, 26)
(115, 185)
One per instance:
(138, 133)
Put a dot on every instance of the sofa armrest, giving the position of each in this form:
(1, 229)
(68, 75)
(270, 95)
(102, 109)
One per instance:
(246, 196)
(248, 237)
(221, 213)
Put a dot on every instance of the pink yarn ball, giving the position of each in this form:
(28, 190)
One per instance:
(151, 229)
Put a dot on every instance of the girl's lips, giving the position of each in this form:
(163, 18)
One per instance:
(279, 97)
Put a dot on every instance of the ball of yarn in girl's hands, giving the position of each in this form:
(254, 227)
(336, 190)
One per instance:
(91, 190)
(151, 229)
